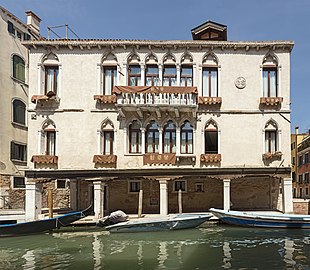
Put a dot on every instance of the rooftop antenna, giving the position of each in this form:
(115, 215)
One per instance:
(66, 26)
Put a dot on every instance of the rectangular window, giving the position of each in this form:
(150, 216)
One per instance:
(199, 187)
(211, 142)
(270, 82)
(134, 76)
(187, 142)
(18, 152)
(152, 76)
(306, 179)
(187, 76)
(134, 186)
(179, 185)
(108, 142)
(300, 192)
(61, 183)
(19, 182)
(50, 148)
(293, 160)
(51, 79)
(170, 76)
(18, 34)
(271, 141)
(300, 179)
(26, 36)
(209, 82)
(109, 79)
(11, 28)
(306, 158)
(18, 68)
(300, 161)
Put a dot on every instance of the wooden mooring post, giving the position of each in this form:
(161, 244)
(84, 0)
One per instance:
(50, 202)
(140, 203)
(180, 201)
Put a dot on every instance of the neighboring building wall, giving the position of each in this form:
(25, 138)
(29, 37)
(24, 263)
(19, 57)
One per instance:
(303, 168)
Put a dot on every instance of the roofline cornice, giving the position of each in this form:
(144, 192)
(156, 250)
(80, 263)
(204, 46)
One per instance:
(91, 43)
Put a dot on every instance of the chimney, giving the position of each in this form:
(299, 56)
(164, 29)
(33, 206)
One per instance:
(296, 130)
(33, 21)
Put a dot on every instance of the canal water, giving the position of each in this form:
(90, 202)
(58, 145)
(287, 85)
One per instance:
(212, 247)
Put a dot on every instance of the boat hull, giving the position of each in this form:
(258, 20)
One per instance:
(262, 220)
(178, 222)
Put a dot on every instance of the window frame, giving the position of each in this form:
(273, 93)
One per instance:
(61, 181)
(187, 132)
(135, 76)
(21, 155)
(186, 77)
(153, 132)
(269, 140)
(15, 112)
(20, 186)
(152, 76)
(138, 136)
(169, 76)
(18, 68)
(198, 190)
(170, 132)
(206, 151)
(50, 141)
(177, 183)
(104, 136)
(137, 184)
(55, 78)
(209, 69)
(113, 70)
(269, 69)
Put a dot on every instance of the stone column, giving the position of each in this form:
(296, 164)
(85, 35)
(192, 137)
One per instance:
(142, 74)
(98, 199)
(226, 193)
(33, 200)
(178, 68)
(160, 141)
(163, 195)
(287, 189)
(160, 73)
(178, 141)
(73, 194)
(142, 141)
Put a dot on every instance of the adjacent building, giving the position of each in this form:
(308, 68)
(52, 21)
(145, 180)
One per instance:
(207, 116)
(13, 105)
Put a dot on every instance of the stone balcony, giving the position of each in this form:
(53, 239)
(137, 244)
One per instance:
(271, 101)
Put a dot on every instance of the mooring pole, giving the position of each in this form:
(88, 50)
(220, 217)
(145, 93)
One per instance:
(140, 203)
(180, 201)
(50, 202)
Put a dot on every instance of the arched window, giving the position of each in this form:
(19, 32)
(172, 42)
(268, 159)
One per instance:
(210, 76)
(48, 138)
(270, 76)
(134, 70)
(51, 70)
(170, 137)
(107, 138)
(151, 71)
(211, 138)
(19, 112)
(271, 137)
(187, 70)
(18, 68)
(152, 138)
(109, 73)
(134, 137)
(186, 138)
(169, 71)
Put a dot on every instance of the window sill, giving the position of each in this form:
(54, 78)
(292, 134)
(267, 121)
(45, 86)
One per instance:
(19, 162)
(133, 154)
(21, 188)
(19, 81)
(21, 126)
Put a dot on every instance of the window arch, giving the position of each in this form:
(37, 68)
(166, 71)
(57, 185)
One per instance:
(211, 138)
(151, 70)
(186, 138)
(186, 70)
(169, 137)
(107, 138)
(270, 75)
(18, 68)
(19, 112)
(271, 137)
(152, 138)
(169, 70)
(135, 137)
(48, 138)
(109, 73)
(210, 76)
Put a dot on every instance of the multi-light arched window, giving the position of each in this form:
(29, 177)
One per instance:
(210, 76)
(18, 68)
(169, 71)
(135, 137)
(151, 71)
(271, 137)
(152, 138)
(186, 138)
(169, 138)
(19, 112)
(109, 73)
(211, 138)
(270, 76)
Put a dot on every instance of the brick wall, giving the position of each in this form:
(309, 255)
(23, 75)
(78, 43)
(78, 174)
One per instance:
(301, 206)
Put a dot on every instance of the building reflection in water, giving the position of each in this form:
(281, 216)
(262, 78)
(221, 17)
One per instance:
(29, 260)
(226, 255)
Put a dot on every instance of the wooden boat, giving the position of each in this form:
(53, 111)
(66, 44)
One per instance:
(171, 222)
(43, 225)
(266, 220)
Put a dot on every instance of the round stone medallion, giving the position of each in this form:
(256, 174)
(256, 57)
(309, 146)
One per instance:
(240, 82)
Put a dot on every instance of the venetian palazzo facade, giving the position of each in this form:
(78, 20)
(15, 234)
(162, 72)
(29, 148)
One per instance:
(13, 105)
(209, 117)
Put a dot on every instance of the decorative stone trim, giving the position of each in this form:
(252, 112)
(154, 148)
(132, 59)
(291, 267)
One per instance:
(40, 98)
(105, 98)
(210, 158)
(269, 155)
(271, 101)
(209, 100)
(159, 159)
(105, 159)
(44, 159)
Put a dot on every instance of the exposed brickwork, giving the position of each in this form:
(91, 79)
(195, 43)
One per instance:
(301, 206)
(61, 197)
(14, 198)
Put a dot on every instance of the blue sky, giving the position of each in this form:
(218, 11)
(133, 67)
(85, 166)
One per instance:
(172, 19)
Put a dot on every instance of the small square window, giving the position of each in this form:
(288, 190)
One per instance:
(61, 183)
(19, 182)
(134, 186)
(199, 187)
(179, 185)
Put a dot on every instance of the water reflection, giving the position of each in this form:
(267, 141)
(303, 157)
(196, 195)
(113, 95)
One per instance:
(214, 247)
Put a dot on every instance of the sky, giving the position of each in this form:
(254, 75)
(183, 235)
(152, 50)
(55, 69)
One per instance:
(247, 20)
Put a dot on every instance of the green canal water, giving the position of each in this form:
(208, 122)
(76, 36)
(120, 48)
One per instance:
(213, 247)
